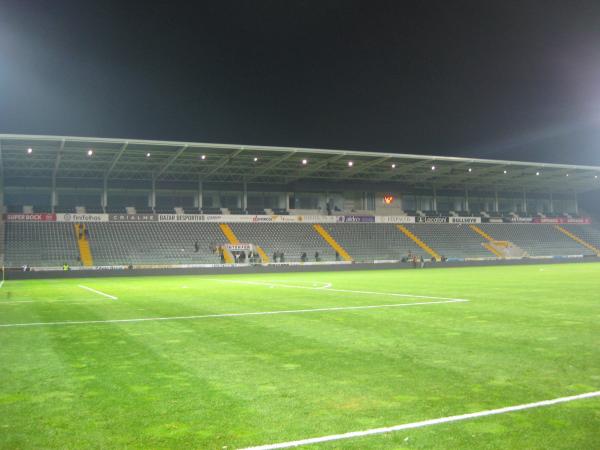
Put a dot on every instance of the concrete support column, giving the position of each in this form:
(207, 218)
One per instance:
(576, 202)
(524, 201)
(496, 202)
(245, 196)
(153, 194)
(1, 194)
(551, 203)
(199, 195)
(104, 200)
(434, 204)
(53, 196)
(467, 199)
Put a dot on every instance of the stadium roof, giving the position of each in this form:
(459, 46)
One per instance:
(64, 157)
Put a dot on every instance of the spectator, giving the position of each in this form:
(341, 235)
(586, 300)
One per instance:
(337, 256)
(275, 255)
(317, 257)
(196, 247)
(303, 257)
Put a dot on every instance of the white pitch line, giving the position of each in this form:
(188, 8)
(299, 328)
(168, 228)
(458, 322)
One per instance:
(98, 292)
(328, 288)
(214, 316)
(12, 302)
(425, 423)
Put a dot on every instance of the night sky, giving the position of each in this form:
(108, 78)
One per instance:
(495, 79)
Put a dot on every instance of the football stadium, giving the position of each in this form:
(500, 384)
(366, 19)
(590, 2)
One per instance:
(161, 294)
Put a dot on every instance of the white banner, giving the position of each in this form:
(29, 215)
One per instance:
(465, 219)
(394, 219)
(67, 217)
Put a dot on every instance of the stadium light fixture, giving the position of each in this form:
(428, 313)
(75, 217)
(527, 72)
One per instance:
(432, 167)
(567, 174)
(90, 152)
(29, 151)
(255, 159)
(470, 170)
(203, 157)
(505, 171)
(350, 163)
(148, 155)
(393, 165)
(596, 176)
(537, 174)
(304, 162)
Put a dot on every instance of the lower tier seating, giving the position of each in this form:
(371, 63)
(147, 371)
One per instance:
(118, 243)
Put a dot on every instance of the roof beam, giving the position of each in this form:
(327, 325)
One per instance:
(303, 173)
(170, 161)
(271, 165)
(222, 162)
(116, 159)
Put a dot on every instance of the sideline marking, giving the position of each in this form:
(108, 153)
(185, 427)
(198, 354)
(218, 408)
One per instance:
(425, 423)
(213, 316)
(12, 302)
(1, 283)
(98, 292)
(327, 287)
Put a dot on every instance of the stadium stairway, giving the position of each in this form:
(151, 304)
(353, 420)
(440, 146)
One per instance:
(332, 242)
(418, 241)
(487, 245)
(85, 253)
(232, 238)
(577, 239)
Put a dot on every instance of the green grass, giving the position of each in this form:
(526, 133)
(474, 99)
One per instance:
(529, 333)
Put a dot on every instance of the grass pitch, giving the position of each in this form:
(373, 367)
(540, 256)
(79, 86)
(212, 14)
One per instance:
(528, 333)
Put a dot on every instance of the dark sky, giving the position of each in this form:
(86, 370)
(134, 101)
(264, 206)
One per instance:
(497, 79)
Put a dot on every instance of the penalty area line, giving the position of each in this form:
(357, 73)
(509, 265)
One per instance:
(328, 287)
(98, 292)
(425, 423)
(216, 316)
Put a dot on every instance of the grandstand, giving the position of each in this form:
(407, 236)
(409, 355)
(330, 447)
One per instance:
(109, 202)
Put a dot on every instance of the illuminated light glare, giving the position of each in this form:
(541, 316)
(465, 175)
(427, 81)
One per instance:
(432, 167)
(29, 151)
(537, 174)
(350, 163)
(567, 174)
(304, 162)
(90, 152)
(203, 157)
(255, 159)
(148, 155)
(393, 166)
(505, 172)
